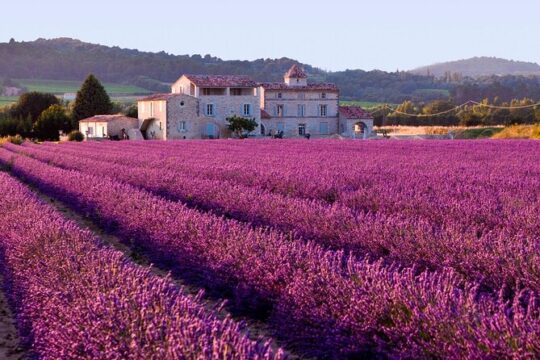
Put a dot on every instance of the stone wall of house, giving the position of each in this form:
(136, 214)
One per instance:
(183, 118)
(229, 105)
(114, 127)
(317, 127)
(291, 100)
(351, 128)
(154, 110)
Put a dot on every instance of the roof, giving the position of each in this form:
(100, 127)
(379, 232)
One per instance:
(107, 118)
(354, 112)
(265, 115)
(308, 87)
(158, 97)
(296, 72)
(219, 81)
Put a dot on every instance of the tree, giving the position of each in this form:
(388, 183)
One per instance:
(32, 104)
(92, 99)
(51, 122)
(238, 124)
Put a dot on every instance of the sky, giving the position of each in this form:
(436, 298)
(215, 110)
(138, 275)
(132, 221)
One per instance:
(332, 35)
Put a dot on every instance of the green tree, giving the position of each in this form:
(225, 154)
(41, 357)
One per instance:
(32, 104)
(51, 122)
(238, 125)
(92, 99)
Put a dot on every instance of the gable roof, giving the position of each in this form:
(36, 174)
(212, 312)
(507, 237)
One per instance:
(308, 87)
(354, 112)
(107, 118)
(296, 72)
(218, 81)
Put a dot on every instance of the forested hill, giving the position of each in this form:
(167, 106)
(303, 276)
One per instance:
(480, 66)
(69, 59)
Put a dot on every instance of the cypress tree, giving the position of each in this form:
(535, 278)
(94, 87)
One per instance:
(92, 99)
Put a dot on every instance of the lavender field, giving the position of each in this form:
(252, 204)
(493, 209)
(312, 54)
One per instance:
(340, 249)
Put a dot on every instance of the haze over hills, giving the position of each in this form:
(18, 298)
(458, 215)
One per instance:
(71, 59)
(480, 66)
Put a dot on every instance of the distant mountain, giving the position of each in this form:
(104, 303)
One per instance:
(70, 59)
(480, 66)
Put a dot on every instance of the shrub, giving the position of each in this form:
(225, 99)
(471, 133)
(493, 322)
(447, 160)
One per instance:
(75, 135)
(17, 140)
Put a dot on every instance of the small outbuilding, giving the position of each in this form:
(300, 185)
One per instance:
(107, 126)
(355, 122)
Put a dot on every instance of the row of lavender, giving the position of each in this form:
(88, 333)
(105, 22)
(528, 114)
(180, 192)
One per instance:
(75, 298)
(491, 246)
(320, 300)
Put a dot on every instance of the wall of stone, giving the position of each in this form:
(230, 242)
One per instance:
(154, 110)
(226, 106)
(183, 109)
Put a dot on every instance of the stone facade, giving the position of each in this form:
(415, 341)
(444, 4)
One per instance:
(199, 105)
(297, 108)
(104, 126)
(298, 111)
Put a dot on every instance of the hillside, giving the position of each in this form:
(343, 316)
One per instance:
(480, 66)
(72, 60)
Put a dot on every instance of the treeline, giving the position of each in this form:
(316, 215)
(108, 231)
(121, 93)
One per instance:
(43, 116)
(68, 59)
(426, 114)
(499, 88)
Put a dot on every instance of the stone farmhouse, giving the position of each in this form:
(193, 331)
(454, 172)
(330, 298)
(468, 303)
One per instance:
(103, 126)
(199, 105)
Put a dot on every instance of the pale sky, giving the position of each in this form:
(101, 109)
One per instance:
(332, 35)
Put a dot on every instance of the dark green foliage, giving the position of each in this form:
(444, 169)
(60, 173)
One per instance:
(32, 104)
(132, 111)
(91, 100)
(51, 122)
(240, 125)
(75, 135)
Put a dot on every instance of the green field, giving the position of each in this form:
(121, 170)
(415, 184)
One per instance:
(69, 86)
(7, 100)
(364, 104)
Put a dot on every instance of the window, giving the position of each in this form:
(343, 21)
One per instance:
(103, 131)
(323, 110)
(182, 104)
(90, 130)
(236, 92)
(279, 95)
(301, 129)
(280, 126)
(161, 106)
(210, 110)
(181, 126)
(323, 96)
(301, 110)
(151, 109)
(280, 110)
(206, 91)
(160, 125)
(323, 128)
(247, 109)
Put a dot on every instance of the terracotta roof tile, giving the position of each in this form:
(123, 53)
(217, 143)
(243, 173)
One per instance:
(217, 81)
(158, 97)
(296, 72)
(308, 87)
(354, 112)
(106, 118)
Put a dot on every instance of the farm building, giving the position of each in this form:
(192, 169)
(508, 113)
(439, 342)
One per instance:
(106, 126)
(199, 105)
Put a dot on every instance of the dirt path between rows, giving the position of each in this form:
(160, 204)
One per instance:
(255, 328)
(10, 348)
